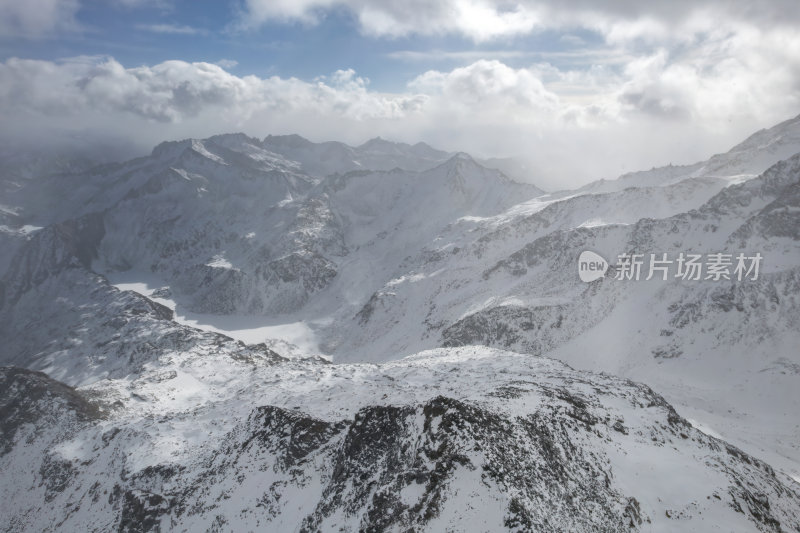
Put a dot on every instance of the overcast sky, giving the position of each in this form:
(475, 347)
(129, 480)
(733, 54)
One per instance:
(583, 89)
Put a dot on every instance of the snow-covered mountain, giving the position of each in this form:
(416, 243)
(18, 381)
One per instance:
(322, 159)
(510, 281)
(137, 282)
(233, 444)
(746, 160)
(233, 228)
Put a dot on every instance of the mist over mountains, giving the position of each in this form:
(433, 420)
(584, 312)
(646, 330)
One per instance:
(235, 333)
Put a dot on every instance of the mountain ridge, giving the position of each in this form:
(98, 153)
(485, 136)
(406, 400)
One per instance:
(384, 295)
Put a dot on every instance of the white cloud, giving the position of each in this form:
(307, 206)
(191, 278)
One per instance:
(481, 20)
(491, 85)
(621, 107)
(458, 55)
(166, 5)
(227, 63)
(174, 29)
(728, 75)
(176, 99)
(174, 91)
(37, 18)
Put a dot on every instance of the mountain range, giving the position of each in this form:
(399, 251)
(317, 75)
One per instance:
(238, 334)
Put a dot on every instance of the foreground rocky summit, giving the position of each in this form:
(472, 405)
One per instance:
(461, 439)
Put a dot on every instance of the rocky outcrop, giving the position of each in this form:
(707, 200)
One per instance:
(70, 244)
(30, 399)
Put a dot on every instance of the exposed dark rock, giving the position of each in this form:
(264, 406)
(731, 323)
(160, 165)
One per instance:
(29, 397)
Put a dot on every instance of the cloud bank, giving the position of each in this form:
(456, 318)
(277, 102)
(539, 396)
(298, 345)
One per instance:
(482, 20)
(36, 18)
(671, 82)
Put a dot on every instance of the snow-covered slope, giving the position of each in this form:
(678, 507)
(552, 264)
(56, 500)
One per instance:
(514, 285)
(233, 228)
(322, 159)
(217, 443)
(229, 228)
(59, 317)
(746, 160)
(757, 152)
(22, 170)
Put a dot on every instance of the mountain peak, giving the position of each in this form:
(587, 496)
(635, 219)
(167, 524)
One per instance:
(422, 149)
(461, 160)
(292, 140)
(171, 148)
(232, 139)
(380, 144)
(463, 156)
